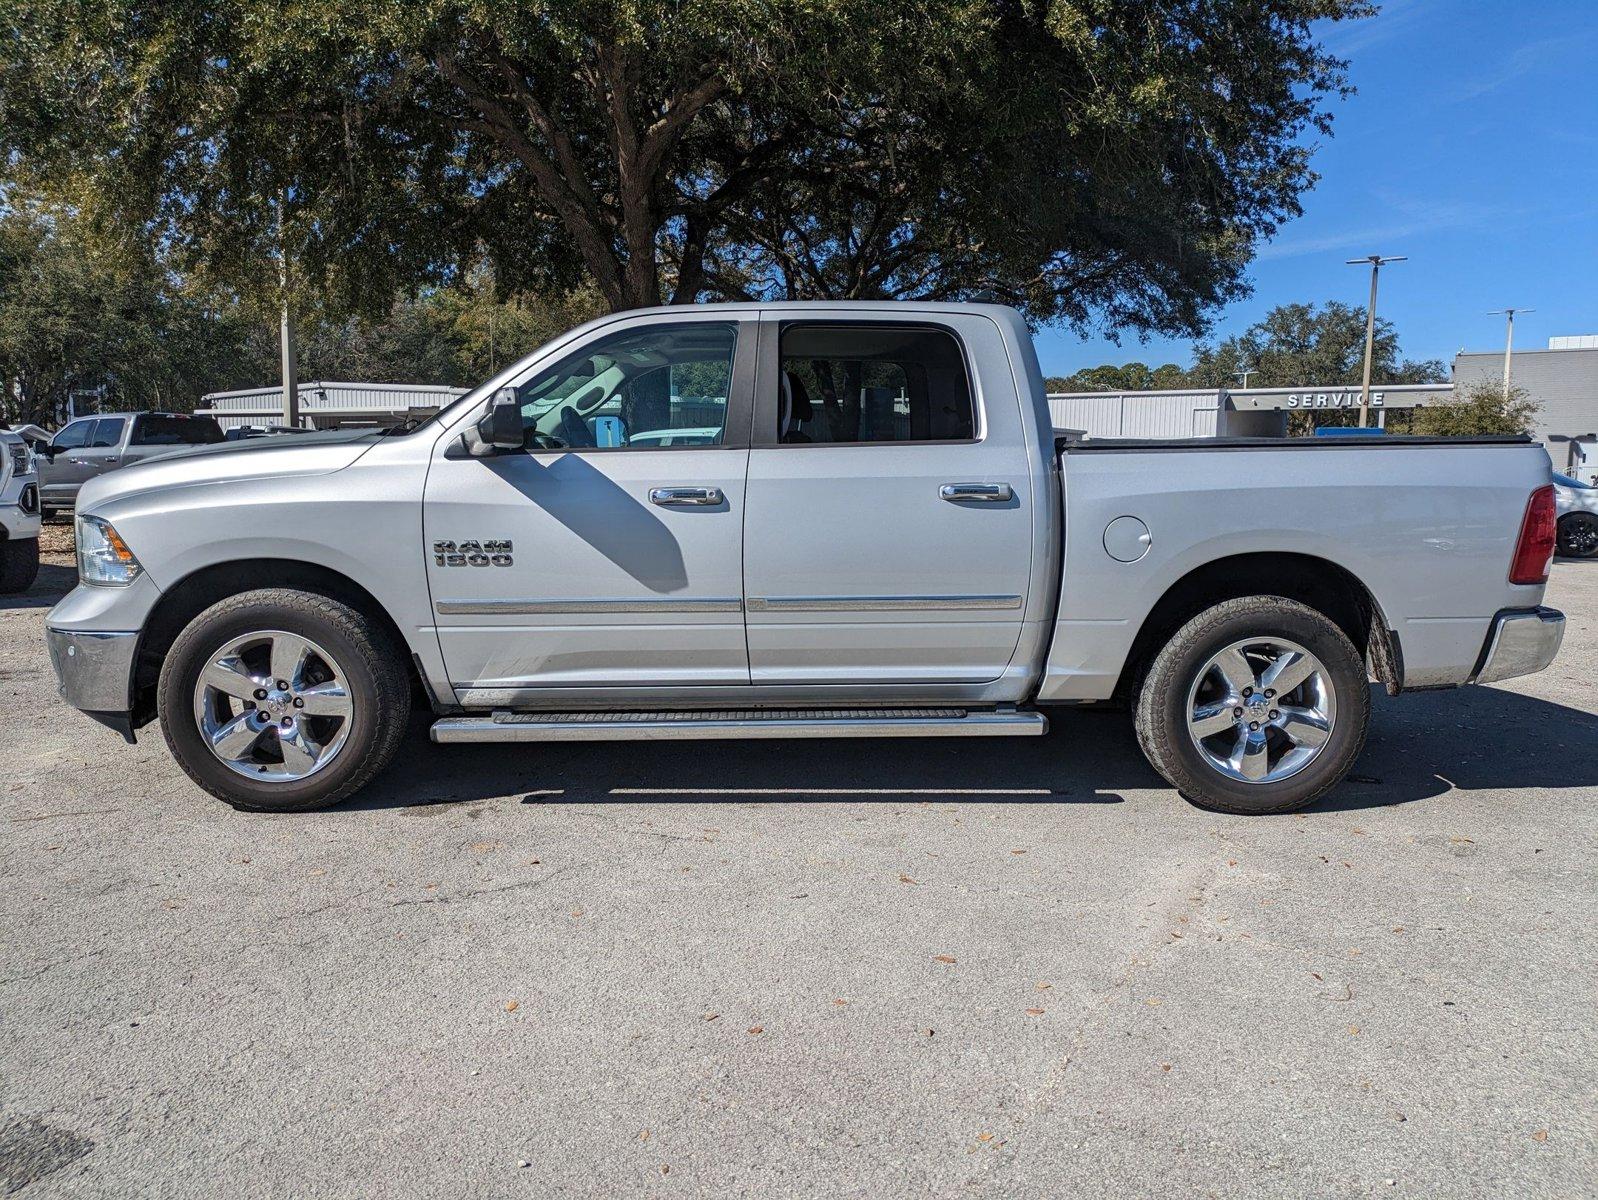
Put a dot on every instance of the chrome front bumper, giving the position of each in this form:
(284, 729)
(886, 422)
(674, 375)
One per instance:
(94, 671)
(1522, 642)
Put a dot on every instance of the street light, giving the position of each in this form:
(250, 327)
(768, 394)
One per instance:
(1377, 262)
(1509, 337)
(1245, 372)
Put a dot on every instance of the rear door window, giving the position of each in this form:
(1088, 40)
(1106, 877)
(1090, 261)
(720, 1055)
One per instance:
(107, 432)
(872, 383)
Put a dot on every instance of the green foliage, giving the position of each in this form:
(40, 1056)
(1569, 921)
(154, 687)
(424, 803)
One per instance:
(1131, 377)
(1301, 344)
(1482, 408)
(1295, 345)
(1093, 161)
(76, 318)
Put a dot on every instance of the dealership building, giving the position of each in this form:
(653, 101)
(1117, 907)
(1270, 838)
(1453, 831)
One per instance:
(1223, 412)
(328, 405)
(1563, 381)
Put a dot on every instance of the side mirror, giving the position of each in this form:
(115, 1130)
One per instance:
(502, 427)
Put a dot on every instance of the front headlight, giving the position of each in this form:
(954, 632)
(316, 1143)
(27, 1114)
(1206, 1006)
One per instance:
(103, 557)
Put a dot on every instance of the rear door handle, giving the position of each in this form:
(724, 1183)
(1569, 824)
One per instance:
(988, 493)
(685, 497)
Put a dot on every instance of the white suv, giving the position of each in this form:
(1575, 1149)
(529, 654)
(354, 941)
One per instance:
(19, 514)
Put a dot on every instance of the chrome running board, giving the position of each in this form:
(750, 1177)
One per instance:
(743, 723)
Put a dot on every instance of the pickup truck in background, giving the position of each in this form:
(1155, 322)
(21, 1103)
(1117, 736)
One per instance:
(19, 514)
(794, 520)
(89, 447)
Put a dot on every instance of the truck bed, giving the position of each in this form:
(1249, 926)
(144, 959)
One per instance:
(1425, 525)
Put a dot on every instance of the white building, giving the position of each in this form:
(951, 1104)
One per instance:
(328, 405)
(1224, 412)
(1562, 380)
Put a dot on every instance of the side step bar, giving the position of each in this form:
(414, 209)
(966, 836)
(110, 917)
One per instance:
(746, 723)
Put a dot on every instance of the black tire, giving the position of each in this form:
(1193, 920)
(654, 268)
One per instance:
(1161, 716)
(375, 675)
(1578, 535)
(19, 565)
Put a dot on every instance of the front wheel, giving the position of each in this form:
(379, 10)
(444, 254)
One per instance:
(1257, 705)
(1578, 535)
(280, 701)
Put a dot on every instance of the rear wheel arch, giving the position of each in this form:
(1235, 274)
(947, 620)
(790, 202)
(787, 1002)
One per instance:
(196, 592)
(1318, 583)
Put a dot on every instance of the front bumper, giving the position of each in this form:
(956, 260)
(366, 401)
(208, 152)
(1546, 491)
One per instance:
(1522, 642)
(19, 517)
(94, 670)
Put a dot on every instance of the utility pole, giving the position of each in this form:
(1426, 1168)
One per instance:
(1509, 338)
(1377, 262)
(1244, 373)
(290, 362)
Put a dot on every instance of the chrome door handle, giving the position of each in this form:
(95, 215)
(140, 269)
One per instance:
(685, 497)
(988, 493)
(109, 458)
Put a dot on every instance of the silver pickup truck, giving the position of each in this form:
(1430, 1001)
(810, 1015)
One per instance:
(797, 520)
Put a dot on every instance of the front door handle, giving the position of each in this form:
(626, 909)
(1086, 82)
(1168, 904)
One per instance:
(987, 493)
(685, 497)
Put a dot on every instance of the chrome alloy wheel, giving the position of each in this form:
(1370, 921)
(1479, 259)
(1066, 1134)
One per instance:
(273, 706)
(1261, 710)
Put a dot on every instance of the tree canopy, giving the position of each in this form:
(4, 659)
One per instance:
(1096, 162)
(1294, 345)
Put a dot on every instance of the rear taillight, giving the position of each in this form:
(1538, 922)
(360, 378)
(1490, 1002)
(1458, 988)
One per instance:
(1534, 552)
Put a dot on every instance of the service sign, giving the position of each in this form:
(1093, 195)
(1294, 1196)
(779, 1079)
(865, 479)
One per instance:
(1342, 399)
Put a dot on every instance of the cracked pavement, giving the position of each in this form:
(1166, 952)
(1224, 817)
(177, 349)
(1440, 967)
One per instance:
(1017, 968)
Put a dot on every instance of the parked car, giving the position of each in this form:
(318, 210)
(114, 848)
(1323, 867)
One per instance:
(89, 447)
(883, 538)
(19, 514)
(1577, 507)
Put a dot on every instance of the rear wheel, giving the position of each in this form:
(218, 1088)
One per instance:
(1257, 705)
(1578, 535)
(19, 564)
(281, 701)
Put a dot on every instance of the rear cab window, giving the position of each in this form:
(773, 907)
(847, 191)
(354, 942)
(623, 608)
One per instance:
(872, 383)
(168, 429)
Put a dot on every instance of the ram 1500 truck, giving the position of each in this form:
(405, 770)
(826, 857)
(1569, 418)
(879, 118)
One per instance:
(794, 520)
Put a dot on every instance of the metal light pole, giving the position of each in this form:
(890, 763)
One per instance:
(288, 356)
(1377, 262)
(1509, 338)
(1245, 372)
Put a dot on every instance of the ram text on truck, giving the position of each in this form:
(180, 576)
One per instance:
(797, 520)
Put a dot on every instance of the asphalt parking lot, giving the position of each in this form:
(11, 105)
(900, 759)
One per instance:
(807, 968)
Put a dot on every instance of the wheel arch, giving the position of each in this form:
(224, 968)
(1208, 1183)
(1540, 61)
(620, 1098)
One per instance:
(1329, 588)
(200, 589)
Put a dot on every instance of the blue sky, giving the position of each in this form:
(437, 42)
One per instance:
(1472, 147)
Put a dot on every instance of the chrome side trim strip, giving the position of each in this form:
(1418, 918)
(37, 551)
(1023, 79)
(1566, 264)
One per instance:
(551, 727)
(880, 603)
(487, 607)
